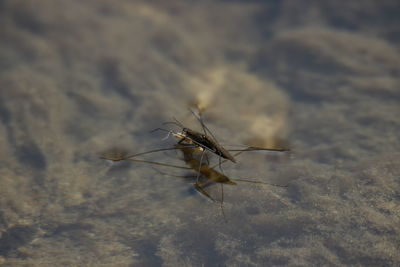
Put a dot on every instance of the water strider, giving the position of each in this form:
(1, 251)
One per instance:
(199, 140)
(191, 142)
(208, 142)
(203, 141)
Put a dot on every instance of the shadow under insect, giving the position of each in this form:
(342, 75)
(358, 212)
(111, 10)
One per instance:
(204, 175)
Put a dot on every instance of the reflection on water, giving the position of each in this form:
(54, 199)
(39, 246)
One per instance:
(79, 78)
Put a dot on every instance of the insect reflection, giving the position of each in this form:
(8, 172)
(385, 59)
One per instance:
(210, 176)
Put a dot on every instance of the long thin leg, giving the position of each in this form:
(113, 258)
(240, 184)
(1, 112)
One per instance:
(200, 120)
(200, 162)
(138, 154)
(219, 164)
(142, 153)
(205, 128)
(159, 163)
(250, 149)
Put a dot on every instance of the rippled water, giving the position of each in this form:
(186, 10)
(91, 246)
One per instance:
(78, 79)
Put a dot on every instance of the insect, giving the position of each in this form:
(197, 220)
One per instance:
(202, 140)
(207, 142)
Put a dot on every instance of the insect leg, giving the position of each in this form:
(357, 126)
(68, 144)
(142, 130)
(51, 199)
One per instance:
(200, 120)
(199, 171)
(219, 164)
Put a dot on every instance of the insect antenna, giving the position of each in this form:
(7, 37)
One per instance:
(178, 122)
(175, 122)
(160, 129)
(168, 131)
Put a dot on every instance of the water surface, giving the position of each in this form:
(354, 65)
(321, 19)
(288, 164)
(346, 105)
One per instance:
(78, 79)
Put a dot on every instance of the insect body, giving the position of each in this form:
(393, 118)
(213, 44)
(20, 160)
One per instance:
(206, 142)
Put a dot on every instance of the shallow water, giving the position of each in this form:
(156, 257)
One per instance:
(78, 79)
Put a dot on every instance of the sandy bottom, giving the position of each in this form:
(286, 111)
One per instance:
(78, 78)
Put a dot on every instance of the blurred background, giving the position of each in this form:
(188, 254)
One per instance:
(78, 78)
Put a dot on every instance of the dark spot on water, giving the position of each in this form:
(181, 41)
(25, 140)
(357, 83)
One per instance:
(321, 67)
(119, 168)
(72, 227)
(39, 179)
(199, 243)
(85, 106)
(108, 10)
(38, 111)
(276, 260)
(252, 210)
(15, 237)
(366, 121)
(355, 257)
(147, 250)
(5, 115)
(25, 18)
(2, 219)
(2, 7)
(267, 16)
(166, 43)
(30, 154)
(294, 193)
(112, 80)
